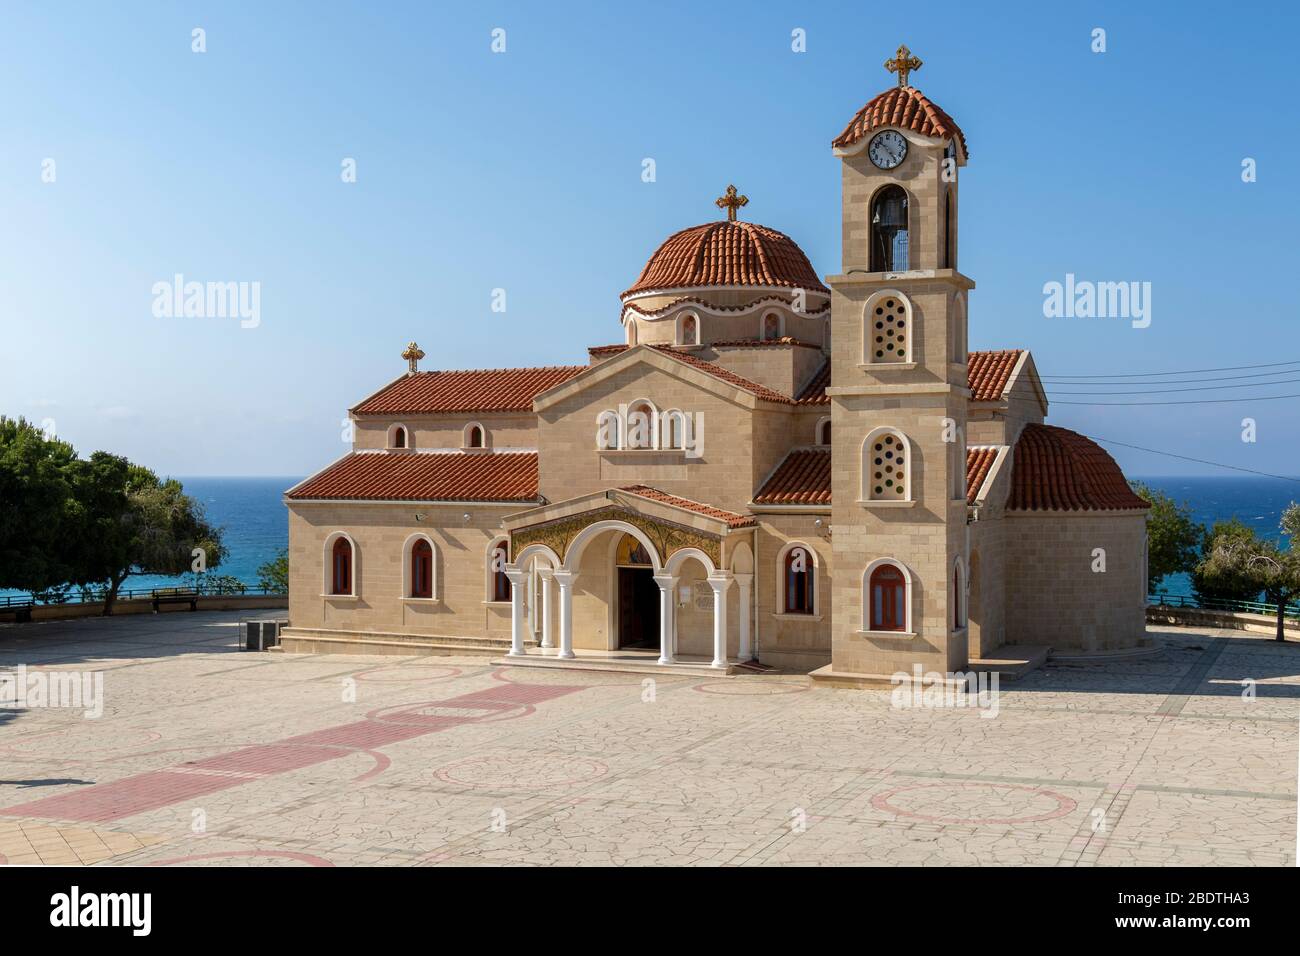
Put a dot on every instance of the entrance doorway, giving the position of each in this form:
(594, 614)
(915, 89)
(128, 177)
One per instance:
(638, 609)
(638, 596)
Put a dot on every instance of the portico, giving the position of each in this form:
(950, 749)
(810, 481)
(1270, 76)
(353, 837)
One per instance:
(641, 576)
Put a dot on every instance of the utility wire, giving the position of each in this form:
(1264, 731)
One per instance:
(1195, 388)
(1202, 461)
(1192, 371)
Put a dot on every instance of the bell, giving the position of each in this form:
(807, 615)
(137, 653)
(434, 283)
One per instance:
(891, 214)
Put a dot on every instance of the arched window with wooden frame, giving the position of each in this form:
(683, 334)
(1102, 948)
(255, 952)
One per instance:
(798, 564)
(887, 602)
(475, 436)
(342, 580)
(498, 580)
(889, 235)
(397, 437)
(420, 570)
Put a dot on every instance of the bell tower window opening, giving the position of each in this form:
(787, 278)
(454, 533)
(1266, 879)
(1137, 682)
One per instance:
(889, 247)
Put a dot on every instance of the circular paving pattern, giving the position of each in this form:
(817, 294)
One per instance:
(410, 673)
(278, 857)
(749, 688)
(521, 771)
(974, 803)
(547, 677)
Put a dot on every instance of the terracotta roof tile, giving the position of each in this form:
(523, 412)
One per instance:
(1060, 470)
(415, 476)
(476, 390)
(987, 373)
(728, 253)
(606, 349)
(732, 519)
(814, 393)
(726, 375)
(802, 478)
(905, 108)
(761, 343)
(978, 462)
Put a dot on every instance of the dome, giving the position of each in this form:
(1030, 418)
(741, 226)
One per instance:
(728, 253)
(1060, 470)
(903, 107)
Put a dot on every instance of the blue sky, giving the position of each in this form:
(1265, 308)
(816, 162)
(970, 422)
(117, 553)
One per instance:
(522, 171)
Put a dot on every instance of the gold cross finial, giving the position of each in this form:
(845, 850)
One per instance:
(903, 63)
(413, 354)
(731, 202)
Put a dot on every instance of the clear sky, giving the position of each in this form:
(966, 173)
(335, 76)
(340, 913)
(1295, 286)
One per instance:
(523, 171)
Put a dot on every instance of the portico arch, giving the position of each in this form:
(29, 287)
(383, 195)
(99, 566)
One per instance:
(573, 556)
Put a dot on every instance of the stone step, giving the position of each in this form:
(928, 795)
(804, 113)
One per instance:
(623, 665)
(315, 641)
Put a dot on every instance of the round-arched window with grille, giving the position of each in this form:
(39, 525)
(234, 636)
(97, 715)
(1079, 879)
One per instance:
(888, 465)
(889, 330)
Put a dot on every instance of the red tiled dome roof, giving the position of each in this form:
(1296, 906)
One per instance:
(728, 253)
(906, 108)
(1060, 470)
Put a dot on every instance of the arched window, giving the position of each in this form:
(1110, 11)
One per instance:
(609, 431)
(631, 331)
(887, 598)
(475, 436)
(399, 437)
(949, 231)
(642, 425)
(341, 566)
(771, 327)
(498, 581)
(887, 328)
(421, 569)
(799, 579)
(958, 596)
(886, 466)
(889, 252)
(672, 427)
(690, 330)
(823, 435)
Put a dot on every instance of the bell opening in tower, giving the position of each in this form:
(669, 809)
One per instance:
(889, 252)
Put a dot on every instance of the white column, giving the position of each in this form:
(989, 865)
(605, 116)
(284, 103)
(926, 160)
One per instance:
(565, 580)
(745, 580)
(518, 580)
(720, 581)
(667, 624)
(545, 574)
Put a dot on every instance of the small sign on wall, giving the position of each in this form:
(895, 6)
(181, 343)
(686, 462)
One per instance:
(703, 596)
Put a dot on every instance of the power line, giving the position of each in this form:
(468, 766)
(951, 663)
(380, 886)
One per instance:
(1196, 388)
(1190, 371)
(1202, 461)
(1185, 401)
(1178, 381)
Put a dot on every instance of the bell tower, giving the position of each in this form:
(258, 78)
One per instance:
(899, 389)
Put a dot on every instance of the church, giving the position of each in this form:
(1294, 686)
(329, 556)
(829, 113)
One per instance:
(771, 468)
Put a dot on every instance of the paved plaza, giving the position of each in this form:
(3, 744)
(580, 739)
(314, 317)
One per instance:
(207, 754)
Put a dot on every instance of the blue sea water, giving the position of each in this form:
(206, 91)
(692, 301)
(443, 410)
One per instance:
(256, 524)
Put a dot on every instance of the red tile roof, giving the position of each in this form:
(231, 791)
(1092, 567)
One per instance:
(728, 253)
(732, 519)
(1060, 470)
(988, 373)
(761, 343)
(802, 478)
(978, 463)
(814, 393)
(725, 375)
(476, 390)
(905, 108)
(415, 476)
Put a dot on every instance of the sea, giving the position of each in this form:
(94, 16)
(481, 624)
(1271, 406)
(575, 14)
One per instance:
(255, 523)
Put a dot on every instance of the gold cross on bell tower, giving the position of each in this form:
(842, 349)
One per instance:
(413, 354)
(731, 202)
(903, 63)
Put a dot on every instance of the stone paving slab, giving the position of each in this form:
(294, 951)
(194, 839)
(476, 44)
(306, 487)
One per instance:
(207, 755)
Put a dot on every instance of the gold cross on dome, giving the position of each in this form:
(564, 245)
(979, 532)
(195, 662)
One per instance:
(731, 202)
(903, 63)
(413, 354)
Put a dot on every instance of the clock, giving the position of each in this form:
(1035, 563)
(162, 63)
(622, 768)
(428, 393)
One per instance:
(888, 149)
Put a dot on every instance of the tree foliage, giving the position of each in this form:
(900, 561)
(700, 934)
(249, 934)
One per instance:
(1266, 565)
(274, 574)
(1173, 538)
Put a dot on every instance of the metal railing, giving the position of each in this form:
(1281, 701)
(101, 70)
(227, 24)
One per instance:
(93, 595)
(1160, 599)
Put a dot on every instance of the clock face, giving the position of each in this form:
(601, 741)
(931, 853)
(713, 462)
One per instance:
(888, 149)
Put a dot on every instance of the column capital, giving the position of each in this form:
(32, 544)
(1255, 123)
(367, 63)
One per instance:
(720, 581)
(665, 580)
(563, 577)
(516, 574)
(743, 577)
(545, 573)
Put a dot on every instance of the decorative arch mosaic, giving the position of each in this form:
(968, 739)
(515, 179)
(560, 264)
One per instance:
(667, 537)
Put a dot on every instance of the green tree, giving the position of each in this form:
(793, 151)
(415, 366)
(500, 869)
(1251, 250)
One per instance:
(1273, 569)
(274, 574)
(141, 525)
(1172, 536)
(38, 512)
(1222, 583)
